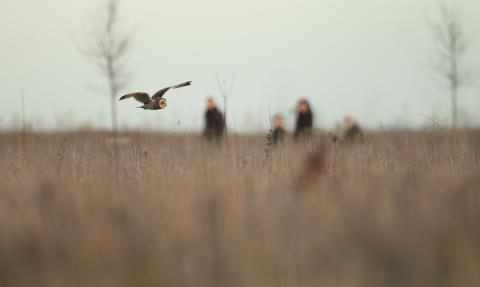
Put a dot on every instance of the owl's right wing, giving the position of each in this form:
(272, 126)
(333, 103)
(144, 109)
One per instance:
(141, 97)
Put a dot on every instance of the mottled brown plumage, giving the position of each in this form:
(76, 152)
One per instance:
(157, 101)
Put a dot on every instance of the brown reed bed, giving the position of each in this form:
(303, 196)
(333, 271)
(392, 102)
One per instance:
(399, 209)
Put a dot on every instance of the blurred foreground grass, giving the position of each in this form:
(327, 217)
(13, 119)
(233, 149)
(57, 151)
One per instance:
(400, 209)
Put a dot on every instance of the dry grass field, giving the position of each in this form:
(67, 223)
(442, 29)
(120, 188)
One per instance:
(400, 209)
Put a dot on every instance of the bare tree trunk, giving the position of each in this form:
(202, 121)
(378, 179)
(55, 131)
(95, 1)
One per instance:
(113, 102)
(23, 138)
(454, 76)
(454, 99)
(451, 38)
(113, 111)
(225, 113)
(108, 48)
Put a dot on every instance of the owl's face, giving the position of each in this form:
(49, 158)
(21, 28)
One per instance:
(162, 103)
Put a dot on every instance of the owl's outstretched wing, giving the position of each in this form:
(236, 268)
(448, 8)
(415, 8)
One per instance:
(141, 97)
(162, 92)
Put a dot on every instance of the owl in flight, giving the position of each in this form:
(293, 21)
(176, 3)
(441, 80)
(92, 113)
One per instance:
(157, 101)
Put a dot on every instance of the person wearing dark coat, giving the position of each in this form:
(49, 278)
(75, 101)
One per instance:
(214, 122)
(278, 133)
(304, 125)
(353, 131)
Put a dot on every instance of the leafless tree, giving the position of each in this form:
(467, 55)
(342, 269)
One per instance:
(451, 38)
(108, 47)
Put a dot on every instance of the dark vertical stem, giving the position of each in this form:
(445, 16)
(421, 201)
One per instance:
(23, 138)
(454, 103)
(454, 80)
(113, 115)
(225, 113)
(113, 111)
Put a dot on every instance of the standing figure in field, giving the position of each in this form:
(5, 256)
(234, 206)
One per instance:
(304, 124)
(214, 122)
(278, 132)
(353, 131)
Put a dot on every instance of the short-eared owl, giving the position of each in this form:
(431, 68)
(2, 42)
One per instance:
(157, 101)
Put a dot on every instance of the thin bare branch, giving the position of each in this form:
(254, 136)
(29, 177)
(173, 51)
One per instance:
(107, 47)
(453, 43)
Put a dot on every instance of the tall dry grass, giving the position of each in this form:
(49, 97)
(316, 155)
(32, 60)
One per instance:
(400, 209)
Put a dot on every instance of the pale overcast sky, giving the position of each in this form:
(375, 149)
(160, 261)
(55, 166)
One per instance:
(370, 58)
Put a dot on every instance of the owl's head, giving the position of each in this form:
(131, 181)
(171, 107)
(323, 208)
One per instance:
(162, 103)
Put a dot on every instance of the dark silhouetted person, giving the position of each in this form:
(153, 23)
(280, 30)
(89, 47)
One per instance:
(304, 124)
(353, 131)
(214, 122)
(278, 133)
